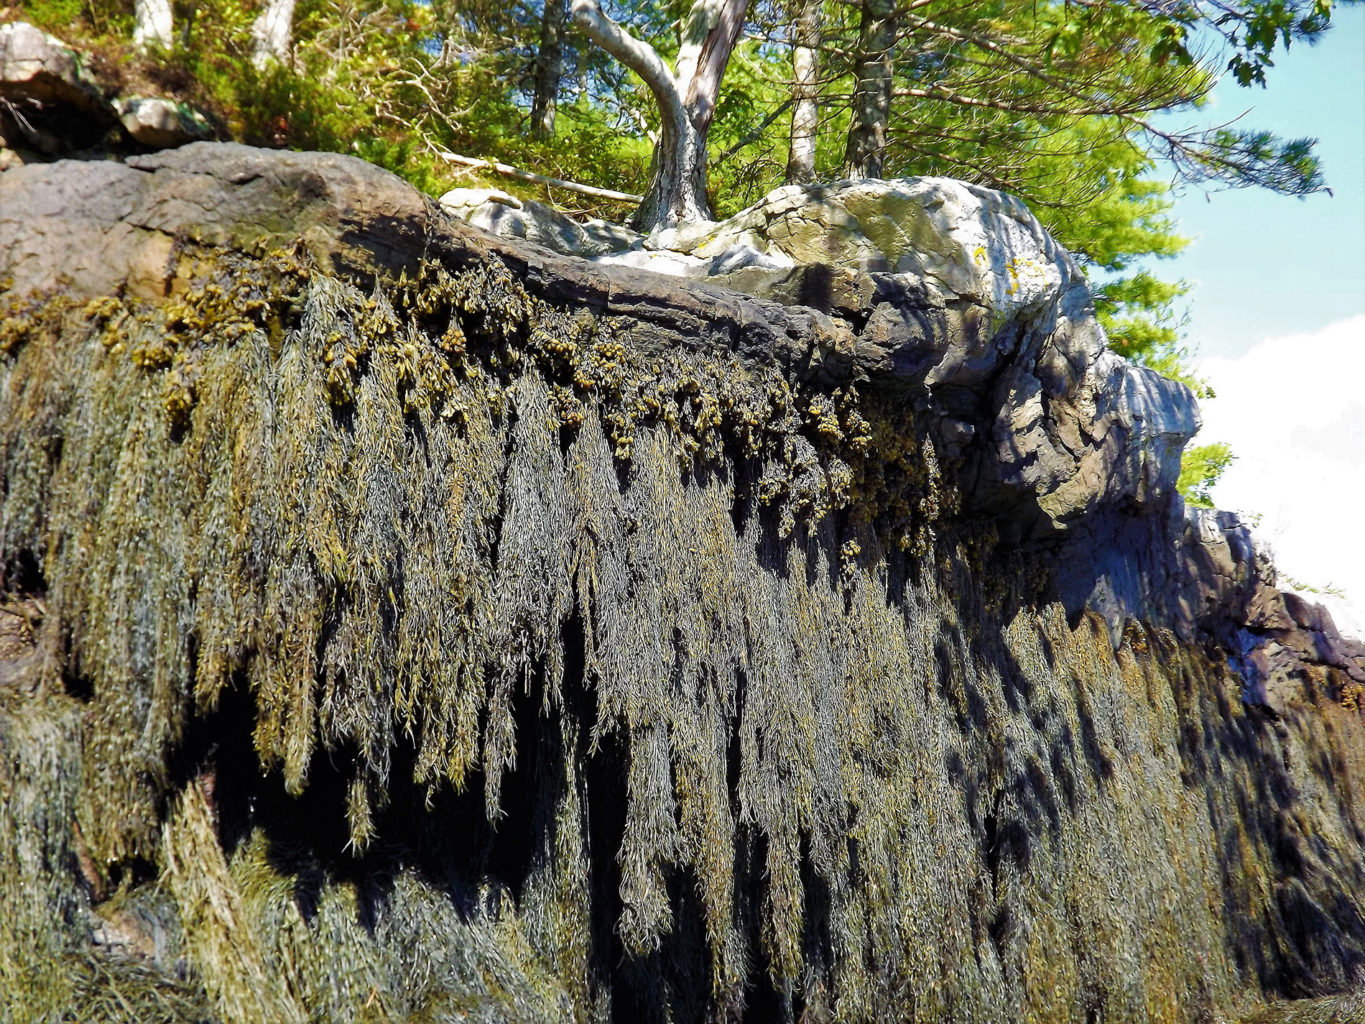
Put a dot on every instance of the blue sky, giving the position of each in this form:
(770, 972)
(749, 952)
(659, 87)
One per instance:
(1277, 322)
(1264, 265)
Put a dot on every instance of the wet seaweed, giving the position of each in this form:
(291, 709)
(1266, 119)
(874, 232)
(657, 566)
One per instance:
(447, 654)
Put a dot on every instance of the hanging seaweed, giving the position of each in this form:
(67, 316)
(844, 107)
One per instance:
(434, 651)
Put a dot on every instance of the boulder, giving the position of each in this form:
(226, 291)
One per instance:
(965, 301)
(116, 226)
(161, 123)
(962, 240)
(51, 103)
(509, 217)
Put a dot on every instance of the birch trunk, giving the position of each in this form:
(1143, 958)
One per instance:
(805, 81)
(152, 23)
(677, 192)
(272, 33)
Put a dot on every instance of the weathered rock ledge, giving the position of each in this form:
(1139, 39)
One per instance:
(949, 297)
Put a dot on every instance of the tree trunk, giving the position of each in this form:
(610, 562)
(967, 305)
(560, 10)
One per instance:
(272, 33)
(686, 98)
(549, 67)
(677, 193)
(805, 81)
(153, 23)
(872, 93)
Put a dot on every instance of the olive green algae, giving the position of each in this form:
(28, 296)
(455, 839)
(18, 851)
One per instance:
(427, 651)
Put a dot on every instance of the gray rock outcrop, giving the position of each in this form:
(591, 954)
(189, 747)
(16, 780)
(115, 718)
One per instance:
(960, 299)
(160, 123)
(956, 297)
(50, 102)
(1285, 649)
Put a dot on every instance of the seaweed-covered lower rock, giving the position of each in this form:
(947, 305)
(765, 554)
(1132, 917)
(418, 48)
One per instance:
(407, 624)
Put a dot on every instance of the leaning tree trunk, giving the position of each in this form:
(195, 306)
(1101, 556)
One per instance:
(272, 33)
(152, 23)
(872, 92)
(686, 98)
(805, 83)
(549, 67)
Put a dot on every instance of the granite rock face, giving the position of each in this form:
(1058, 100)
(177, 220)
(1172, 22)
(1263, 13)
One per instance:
(107, 225)
(1286, 650)
(955, 295)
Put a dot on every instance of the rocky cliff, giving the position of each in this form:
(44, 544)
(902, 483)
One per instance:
(409, 623)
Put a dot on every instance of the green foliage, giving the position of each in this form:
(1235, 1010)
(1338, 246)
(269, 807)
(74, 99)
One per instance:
(54, 15)
(1259, 158)
(1252, 30)
(1200, 469)
(595, 668)
(984, 93)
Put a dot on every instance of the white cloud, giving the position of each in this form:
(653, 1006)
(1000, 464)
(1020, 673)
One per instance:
(1293, 409)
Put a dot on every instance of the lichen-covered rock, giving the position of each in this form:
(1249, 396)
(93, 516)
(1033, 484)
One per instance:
(961, 239)
(39, 69)
(161, 123)
(49, 101)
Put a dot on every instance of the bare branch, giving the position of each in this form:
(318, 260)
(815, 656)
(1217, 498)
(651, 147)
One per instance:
(539, 179)
(755, 133)
(634, 53)
(945, 95)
